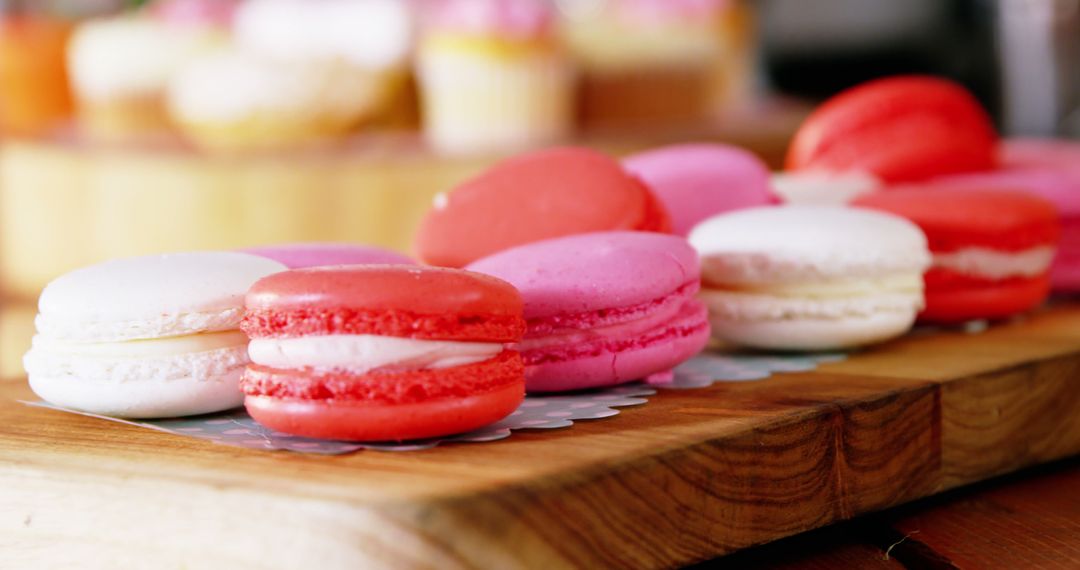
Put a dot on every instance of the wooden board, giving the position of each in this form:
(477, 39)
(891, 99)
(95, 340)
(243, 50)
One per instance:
(692, 475)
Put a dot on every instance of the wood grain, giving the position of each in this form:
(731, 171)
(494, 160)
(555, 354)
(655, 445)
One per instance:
(1031, 522)
(692, 475)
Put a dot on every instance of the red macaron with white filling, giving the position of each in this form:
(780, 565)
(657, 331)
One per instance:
(382, 352)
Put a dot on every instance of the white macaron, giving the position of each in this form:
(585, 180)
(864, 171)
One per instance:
(154, 336)
(810, 277)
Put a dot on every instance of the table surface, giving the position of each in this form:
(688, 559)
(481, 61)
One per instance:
(692, 475)
(1024, 520)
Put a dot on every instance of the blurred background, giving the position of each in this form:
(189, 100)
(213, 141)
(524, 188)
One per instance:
(129, 128)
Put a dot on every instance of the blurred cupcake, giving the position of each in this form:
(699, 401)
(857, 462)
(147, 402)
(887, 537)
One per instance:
(371, 38)
(120, 68)
(667, 61)
(236, 101)
(493, 76)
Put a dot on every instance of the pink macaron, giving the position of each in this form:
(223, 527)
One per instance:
(1023, 152)
(300, 255)
(699, 180)
(604, 308)
(1057, 185)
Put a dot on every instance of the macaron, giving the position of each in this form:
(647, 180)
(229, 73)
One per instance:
(810, 277)
(382, 352)
(899, 129)
(992, 249)
(532, 197)
(300, 255)
(146, 337)
(604, 308)
(697, 181)
(1024, 152)
(1057, 185)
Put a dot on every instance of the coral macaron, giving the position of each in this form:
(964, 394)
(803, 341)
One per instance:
(992, 249)
(532, 197)
(604, 308)
(899, 129)
(382, 352)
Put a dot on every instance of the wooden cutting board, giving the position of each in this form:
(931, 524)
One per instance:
(691, 475)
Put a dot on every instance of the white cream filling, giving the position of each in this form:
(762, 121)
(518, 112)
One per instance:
(364, 353)
(142, 348)
(993, 264)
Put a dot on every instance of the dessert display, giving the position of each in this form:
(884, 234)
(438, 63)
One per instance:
(535, 196)
(146, 337)
(382, 352)
(698, 181)
(810, 277)
(120, 70)
(493, 75)
(604, 308)
(301, 255)
(992, 249)
(648, 62)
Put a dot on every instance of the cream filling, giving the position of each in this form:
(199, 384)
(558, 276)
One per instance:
(364, 353)
(993, 264)
(901, 284)
(151, 348)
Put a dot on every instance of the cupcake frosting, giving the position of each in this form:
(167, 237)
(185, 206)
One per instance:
(517, 19)
(374, 34)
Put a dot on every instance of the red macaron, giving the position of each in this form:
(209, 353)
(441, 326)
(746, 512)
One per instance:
(536, 196)
(902, 128)
(382, 352)
(992, 248)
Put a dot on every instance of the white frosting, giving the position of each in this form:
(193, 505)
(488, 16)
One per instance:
(151, 297)
(130, 57)
(360, 354)
(375, 34)
(823, 188)
(233, 85)
(993, 264)
(794, 244)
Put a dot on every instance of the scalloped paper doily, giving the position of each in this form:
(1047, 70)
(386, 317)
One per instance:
(236, 428)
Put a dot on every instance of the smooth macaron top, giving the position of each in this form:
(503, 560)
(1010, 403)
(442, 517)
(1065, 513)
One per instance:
(391, 300)
(536, 196)
(299, 255)
(594, 272)
(955, 218)
(696, 181)
(1062, 187)
(151, 296)
(897, 128)
(793, 244)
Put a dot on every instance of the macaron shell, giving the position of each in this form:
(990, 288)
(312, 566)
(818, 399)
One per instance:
(591, 272)
(696, 181)
(985, 301)
(956, 218)
(1057, 154)
(149, 397)
(1061, 187)
(809, 334)
(422, 290)
(533, 197)
(300, 255)
(898, 128)
(613, 361)
(412, 415)
(146, 288)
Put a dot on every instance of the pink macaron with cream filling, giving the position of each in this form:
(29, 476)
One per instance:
(699, 180)
(604, 308)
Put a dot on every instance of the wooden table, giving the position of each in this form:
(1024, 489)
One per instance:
(1029, 519)
(690, 476)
